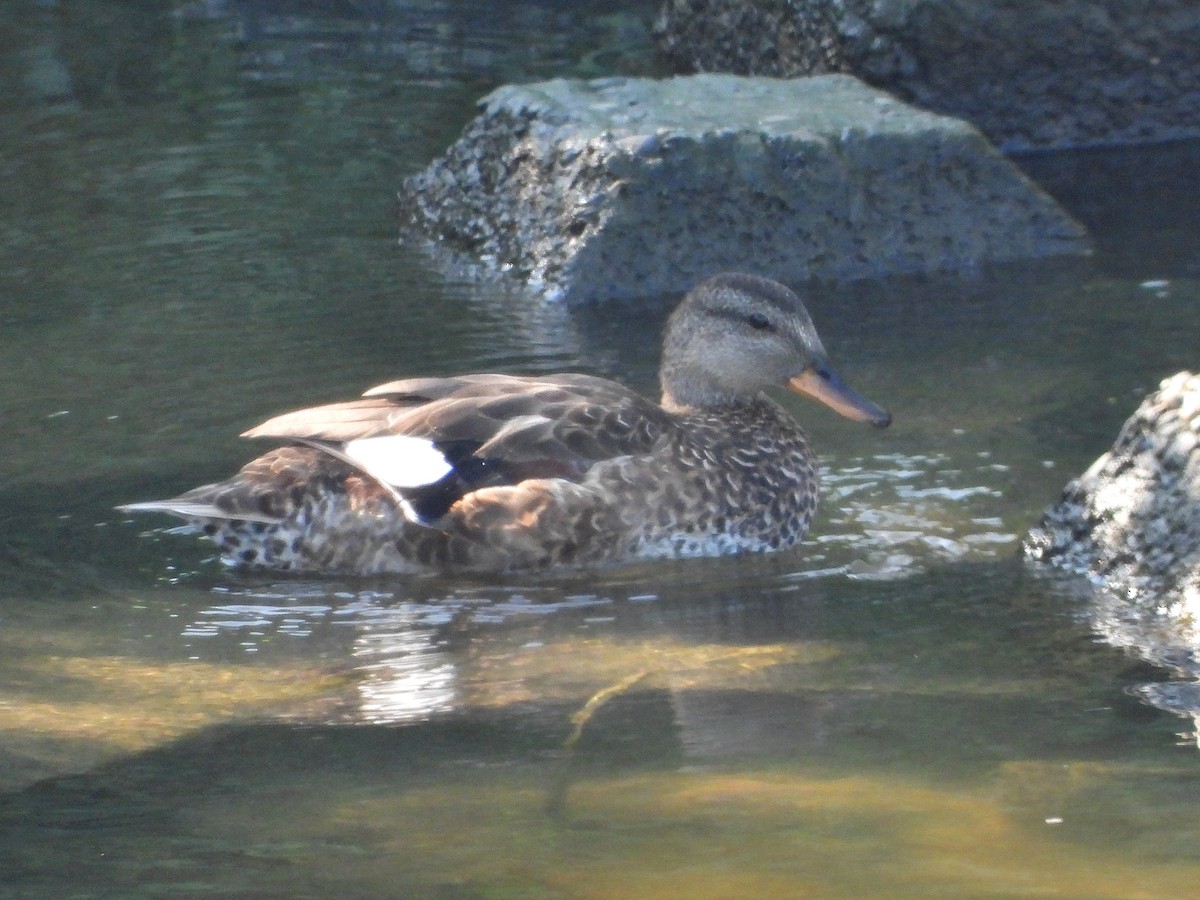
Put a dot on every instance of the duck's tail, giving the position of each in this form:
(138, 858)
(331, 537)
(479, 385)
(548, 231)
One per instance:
(191, 509)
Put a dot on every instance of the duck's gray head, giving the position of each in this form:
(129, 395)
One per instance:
(734, 335)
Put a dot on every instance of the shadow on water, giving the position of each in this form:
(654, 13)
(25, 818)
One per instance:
(1135, 239)
(799, 715)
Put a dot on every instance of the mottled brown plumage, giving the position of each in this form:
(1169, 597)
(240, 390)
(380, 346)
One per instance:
(500, 472)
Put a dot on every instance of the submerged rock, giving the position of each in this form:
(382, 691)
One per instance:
(637, 187)
(1132, 520)
(1028, 74)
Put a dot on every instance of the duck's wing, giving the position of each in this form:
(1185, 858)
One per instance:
(477, 430)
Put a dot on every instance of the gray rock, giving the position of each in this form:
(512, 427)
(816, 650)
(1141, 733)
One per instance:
(639, 187)
(1069, 73)
(1132, 520)
(46, 77)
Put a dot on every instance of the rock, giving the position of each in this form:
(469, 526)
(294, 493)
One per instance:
(611, 188)
(46, 78)
(1132, 520)
(1079, 72)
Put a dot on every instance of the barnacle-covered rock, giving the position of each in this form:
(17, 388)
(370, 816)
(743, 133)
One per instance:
(1132, 520)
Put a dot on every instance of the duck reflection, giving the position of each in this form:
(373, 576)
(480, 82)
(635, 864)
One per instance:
(405, 674)
(695, 675)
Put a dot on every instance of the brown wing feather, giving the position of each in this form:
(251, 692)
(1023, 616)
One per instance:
(570, 419)
(463, 385)
(338, 422)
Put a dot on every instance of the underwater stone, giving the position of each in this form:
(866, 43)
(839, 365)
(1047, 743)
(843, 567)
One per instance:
(590, 190)
(1132, 520)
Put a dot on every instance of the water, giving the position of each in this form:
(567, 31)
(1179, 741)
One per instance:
(206, 237)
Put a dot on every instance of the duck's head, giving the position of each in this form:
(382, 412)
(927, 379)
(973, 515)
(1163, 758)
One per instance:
(734, 335)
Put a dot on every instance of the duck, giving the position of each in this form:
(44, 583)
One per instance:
(511, 473)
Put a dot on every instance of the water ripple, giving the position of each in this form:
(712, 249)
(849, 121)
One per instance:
(892, 514)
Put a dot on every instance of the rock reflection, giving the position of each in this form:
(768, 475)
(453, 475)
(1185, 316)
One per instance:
(1165, 637)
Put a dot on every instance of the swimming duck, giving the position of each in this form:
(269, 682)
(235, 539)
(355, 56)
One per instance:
(505, 473)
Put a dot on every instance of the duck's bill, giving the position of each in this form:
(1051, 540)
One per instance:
(825, 386)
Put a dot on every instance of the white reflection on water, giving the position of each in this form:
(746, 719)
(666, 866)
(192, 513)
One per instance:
(892, 514)
(293, 620)
(406, 675)
(403, 668)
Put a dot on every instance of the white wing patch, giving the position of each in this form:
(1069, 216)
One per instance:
(398, 460)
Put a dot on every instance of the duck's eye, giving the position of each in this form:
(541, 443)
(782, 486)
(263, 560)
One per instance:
(759, 322)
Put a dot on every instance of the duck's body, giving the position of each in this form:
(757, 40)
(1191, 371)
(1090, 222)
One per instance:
(495, 472)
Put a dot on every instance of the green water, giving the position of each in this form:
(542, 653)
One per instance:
(204, 236)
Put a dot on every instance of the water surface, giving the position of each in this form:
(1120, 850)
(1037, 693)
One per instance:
(900, 708)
